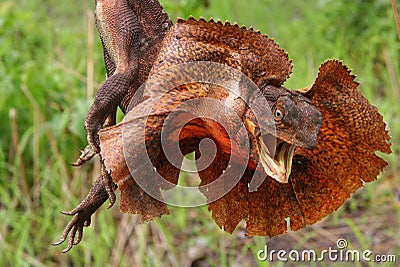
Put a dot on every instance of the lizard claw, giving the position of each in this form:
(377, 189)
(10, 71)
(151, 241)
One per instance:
(109, 186)
(93, 124)
(93, 148)
(76, 225)
(92, 127)
(86, 155)
(82, 214)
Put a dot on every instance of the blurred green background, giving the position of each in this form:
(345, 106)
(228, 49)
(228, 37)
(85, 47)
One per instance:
(50, 67)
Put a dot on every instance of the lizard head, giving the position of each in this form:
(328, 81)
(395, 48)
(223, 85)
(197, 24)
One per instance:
(294, 122)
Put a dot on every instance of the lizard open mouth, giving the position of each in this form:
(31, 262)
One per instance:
(276, 156)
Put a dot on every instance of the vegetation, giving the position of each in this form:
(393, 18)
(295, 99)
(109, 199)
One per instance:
(50, 66)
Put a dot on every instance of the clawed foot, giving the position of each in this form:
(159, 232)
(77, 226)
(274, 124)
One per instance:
(98, 194)
(92, 127)
(108, 184)
(82, 217)
(86, 155)
(105, 177)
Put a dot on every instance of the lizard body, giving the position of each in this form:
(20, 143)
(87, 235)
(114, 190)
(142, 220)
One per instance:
(302, 121)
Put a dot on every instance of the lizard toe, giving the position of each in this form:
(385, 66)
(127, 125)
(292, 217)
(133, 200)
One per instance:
(86, 155)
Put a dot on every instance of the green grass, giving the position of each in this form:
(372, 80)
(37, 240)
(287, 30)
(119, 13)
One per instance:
(46, 87)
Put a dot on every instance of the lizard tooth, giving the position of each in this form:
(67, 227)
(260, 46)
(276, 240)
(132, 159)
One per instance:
(211, 19)
(220, 22)
(251, 28)
(227, 23)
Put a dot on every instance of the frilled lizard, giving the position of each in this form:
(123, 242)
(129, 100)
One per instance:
(326, 136)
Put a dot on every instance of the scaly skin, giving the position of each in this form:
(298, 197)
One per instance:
(321, 179)
(83, 212)
(255, 55)
(131, 32)
(108, 96)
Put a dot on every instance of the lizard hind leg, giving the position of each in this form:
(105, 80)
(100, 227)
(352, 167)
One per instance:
(83, 212)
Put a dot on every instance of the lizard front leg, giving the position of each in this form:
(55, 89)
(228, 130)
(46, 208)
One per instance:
(120, 32)
(88, 152)
(107, 99)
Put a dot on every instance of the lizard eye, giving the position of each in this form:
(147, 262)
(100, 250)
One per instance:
(278, 114)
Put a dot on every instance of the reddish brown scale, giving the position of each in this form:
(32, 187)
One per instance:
(131, 33)
(321, 179)
(176, 51)
(263, 61)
